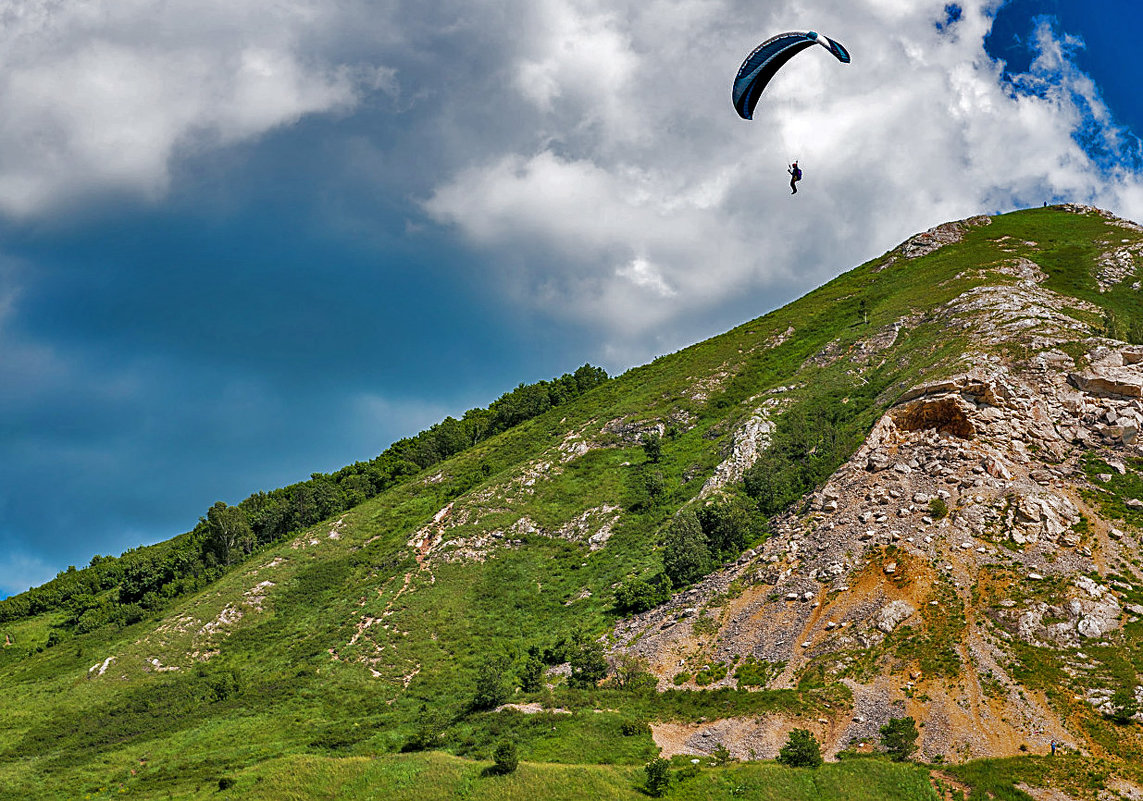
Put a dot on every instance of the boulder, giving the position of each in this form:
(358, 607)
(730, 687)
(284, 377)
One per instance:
(892, 615)
(1108, 382)
(997, 469)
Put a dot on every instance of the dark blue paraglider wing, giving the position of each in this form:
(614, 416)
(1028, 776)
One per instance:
(836, 48)
(769, 57)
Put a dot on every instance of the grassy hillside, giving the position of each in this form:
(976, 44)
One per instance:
(305, 670)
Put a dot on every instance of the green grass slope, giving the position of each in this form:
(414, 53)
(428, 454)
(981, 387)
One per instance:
(306, 670)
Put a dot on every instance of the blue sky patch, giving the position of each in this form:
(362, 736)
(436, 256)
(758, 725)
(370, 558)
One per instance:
(953, 13)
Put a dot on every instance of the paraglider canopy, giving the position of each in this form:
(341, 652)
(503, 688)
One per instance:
(769, 57)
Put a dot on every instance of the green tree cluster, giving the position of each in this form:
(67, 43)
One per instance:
(652, 446)
(585, 656)
(697, 540)
(639, 594)
(428, 728)
(686, 555)
(493, 682)
(634, 674)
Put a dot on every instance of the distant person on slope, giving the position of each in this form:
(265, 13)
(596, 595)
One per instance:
(795, 176)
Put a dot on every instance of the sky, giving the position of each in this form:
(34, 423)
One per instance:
(242, 243)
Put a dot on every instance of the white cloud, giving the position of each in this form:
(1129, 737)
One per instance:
(588, 146)
(104, 94)
(640, 198)
(643, 273)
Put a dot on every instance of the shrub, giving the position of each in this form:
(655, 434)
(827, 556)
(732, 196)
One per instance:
(639, 595)
(430, 725)
(801, 750)
(1123, 705)
(587, 662)
(704, 625)
(754, 672)
(658, 776)
(654, 486)
(938, 508)
(532, 673)
(634, 728)
(633, 674)
(491, 683)
(899, 738)
(686, 556)
(652, 446)
(710, 674)
(504, 757)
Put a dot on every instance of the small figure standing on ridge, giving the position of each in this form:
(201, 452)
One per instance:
(795, 176)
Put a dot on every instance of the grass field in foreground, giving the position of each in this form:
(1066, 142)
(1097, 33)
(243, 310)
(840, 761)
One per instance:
(435, 775)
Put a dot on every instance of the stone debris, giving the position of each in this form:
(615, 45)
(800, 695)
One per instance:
(231, 614)
(749, 442)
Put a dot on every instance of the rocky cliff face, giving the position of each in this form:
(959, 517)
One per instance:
(964, 565)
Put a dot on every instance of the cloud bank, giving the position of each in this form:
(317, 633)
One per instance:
(587, 147)
(104, 95)
(639, 197)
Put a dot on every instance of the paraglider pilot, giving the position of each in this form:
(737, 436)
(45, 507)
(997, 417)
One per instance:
(795, 176)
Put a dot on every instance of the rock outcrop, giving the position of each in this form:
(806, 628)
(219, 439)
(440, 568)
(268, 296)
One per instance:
(963, 522)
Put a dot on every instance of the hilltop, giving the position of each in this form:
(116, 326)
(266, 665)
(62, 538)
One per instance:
(915, 491)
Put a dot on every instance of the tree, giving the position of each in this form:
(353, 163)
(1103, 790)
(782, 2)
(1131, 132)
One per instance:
(504, 757)
(228, 533)
(801, 750)
(658, 776)
(429, 727)
(652, 446)
(589, 377)
(899, 738)
(728, 526)
(491, 683)
(587, 662)
(772, 483)
(532, 674)
(655, 485)
(686, 556)
(632, 673)
(1123, 705)
(639, 595)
